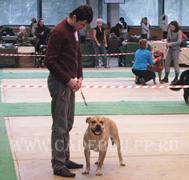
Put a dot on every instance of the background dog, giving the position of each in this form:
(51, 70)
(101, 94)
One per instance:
(158, 66)
(184, 80)
(96, 138)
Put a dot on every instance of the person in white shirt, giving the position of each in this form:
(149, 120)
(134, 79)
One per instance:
(125, 28)
(164, 25)
(145, 27)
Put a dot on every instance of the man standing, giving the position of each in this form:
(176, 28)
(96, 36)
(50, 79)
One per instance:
(64, 61)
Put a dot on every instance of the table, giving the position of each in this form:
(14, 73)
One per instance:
(160, 45)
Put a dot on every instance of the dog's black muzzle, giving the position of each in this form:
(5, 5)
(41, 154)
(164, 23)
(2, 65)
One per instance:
(98, 130)
(156, 56)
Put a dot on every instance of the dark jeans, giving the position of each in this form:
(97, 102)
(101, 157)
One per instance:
(100, 50)
(62, 107)
(147, 75)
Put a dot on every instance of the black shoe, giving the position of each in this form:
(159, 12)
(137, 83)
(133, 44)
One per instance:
(73, 165)
(64, 172)
(165, 79)
(174, 81)
(142, 81)
(137, 82)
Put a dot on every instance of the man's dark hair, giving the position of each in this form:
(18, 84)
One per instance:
(175, 23)
(83, 13)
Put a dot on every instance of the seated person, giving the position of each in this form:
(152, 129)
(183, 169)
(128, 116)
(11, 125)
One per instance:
(7, 32)
(117, 30)
(143, 57)
(113, 46)
(22, 35)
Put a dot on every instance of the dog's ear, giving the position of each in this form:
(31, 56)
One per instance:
(104, 119)
(88, 119)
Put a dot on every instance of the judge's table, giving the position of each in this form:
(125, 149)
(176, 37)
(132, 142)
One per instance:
(160, 46)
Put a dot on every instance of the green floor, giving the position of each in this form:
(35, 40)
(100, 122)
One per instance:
(7, 169)
(101, 108)
(34, 75)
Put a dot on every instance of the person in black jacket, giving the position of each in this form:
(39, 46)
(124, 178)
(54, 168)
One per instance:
(100, 43)
(113, 46)
(42, 33)
(116, 30)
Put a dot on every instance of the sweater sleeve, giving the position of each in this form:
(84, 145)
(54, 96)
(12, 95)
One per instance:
(179, 40)
(150, 61)
(53, 52)
(80, 61)
(144, 27)
(37, 32)
(168, 36)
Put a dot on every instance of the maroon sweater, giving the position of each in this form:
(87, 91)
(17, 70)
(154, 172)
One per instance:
(63, 56)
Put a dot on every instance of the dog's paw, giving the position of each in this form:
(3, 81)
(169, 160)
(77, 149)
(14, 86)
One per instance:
(85, 172)
(99, 173)
(122, 164)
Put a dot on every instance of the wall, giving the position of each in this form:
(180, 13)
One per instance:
(136, 31)
(153, 32)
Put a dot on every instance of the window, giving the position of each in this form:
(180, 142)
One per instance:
(104, 12)
(102, 8)
(17, 12)
(54, 11)
(134, 10)
(177, 10)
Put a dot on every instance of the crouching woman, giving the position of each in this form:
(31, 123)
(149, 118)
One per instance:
(143, 57)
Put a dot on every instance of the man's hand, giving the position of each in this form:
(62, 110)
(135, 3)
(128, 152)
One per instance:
(79, 81)
(73, 84)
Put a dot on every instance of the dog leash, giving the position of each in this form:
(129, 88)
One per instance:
(85, 102)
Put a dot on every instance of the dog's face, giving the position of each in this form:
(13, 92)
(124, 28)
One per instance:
(158, 54)
(96, 124)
